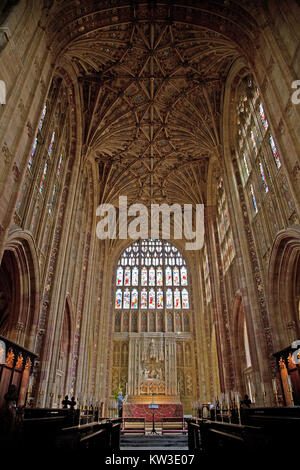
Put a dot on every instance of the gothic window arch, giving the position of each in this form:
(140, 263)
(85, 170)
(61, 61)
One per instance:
(258, 153)
(265, 183)
(152, 281)
(39, 195)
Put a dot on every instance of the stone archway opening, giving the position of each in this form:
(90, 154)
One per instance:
(284, 289)
(19, 294)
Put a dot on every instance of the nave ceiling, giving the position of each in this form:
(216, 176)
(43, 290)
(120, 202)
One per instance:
(151, 77)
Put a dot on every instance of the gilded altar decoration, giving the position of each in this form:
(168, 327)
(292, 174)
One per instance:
(10, 358)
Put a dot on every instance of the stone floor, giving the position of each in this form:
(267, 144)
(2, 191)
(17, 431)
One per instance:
(154, 442)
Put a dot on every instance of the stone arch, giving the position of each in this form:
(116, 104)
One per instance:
(20, 284)
(283, 287)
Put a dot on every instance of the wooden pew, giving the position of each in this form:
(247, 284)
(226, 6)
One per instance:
(262, 429)
(134, 425)
(173, 425)
(104, 435)
(210, 437)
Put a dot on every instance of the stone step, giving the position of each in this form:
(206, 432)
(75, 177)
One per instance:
(152, 442)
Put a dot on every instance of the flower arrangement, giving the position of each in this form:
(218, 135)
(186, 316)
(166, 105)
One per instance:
(117, 391)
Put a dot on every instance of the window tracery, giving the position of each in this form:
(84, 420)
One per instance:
(152, 276)
(266, 187)
(224, 228)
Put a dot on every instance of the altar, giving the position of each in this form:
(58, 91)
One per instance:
(142, 410)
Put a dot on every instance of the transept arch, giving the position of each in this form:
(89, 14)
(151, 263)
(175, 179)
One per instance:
(283, 287)
(20, 289)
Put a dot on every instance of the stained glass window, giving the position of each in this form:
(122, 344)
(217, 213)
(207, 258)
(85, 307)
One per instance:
(50, 149)
(119, 279)
(159, 277)
(43, 180)
(176, 276)
(161, 282)
(256, 146)
(34, 146)
(183, 274)
(144, 299)
(168, 276)
(263, 117)
(224, 229)
(40, 126)
(160, 299)
(127, 276)
(144, 277)
(151, 298)
(151, 276)
(134, 299)
(177, 302)
(169, 298)
(185, 299)
(135, 276)
(253, 198)
(264, 181)
(119, 298)
(32, 153)
(126, 300)
(275, 152)
(59, 165)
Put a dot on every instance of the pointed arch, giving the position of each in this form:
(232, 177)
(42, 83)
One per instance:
(283, 287)
(20, 280)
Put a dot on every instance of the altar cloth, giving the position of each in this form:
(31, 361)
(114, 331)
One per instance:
(142, 410)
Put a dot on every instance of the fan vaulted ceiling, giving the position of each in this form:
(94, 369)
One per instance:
(151, 77)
